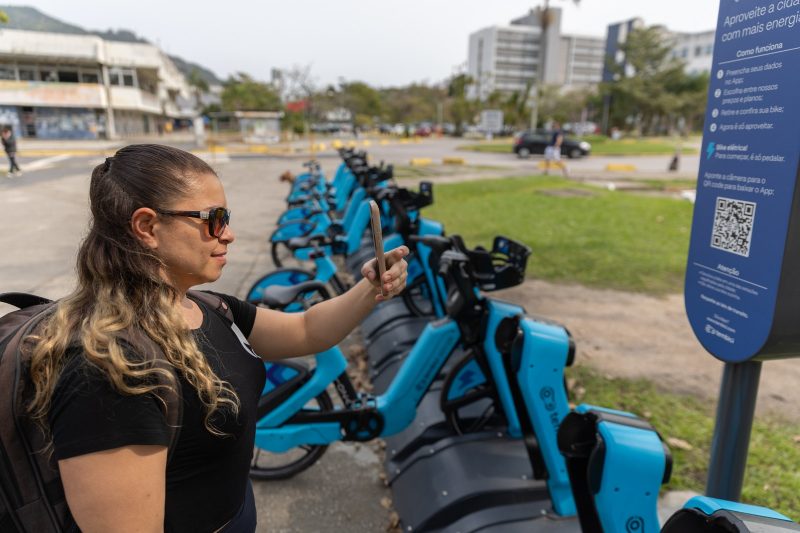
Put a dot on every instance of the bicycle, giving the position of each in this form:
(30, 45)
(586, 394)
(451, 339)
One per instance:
(302, 417)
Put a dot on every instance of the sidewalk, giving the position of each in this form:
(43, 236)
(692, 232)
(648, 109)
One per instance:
(103, 147)
(91, 147)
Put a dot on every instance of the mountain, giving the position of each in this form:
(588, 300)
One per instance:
(31, 19)
(187, 67)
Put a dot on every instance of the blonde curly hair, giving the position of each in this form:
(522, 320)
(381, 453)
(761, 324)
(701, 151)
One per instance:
(120, 289)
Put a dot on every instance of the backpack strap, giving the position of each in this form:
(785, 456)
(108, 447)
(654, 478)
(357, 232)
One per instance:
(21, 300)
(214, 302)
(169, 389)
(221, 307)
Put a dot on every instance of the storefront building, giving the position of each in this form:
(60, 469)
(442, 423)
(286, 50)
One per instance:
(61, 86)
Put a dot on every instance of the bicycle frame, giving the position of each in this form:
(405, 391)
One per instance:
(276, 433)
(537, 382)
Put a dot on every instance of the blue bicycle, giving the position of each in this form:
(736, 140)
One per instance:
(501, 346)
(345, 232)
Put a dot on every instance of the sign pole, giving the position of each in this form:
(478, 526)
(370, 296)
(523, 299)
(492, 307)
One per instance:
(735, 410)
(741, 283)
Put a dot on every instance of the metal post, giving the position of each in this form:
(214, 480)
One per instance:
(606, 112)
(544, 24)
(111, 128)
(737, 404)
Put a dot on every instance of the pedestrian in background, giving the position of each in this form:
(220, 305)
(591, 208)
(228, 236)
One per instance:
(10, 146)
(552, 153)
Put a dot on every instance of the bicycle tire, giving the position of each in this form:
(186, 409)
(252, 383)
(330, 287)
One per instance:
(280, 252)
(416, 293)
(287, 470)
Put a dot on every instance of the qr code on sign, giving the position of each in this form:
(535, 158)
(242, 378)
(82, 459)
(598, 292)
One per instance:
(733, 226)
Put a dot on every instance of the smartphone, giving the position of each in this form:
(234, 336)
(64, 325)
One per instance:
(377, 241)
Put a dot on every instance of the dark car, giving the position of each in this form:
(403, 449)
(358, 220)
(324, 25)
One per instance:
(528, 142)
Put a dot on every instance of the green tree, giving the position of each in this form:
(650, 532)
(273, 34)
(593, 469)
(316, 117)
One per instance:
(515, 108)
(653, 93)
(554, 104)
(199, 86)
(363, 101)
(461, 109)
(294, 121)
(243, 93)
(413, 103)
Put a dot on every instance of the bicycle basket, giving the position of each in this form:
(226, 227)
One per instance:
(412, 200)
(502, 267)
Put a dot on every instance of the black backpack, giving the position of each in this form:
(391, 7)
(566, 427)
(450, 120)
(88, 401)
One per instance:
(31, 494)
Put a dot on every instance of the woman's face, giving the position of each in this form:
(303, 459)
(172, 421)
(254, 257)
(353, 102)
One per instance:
(190, 254)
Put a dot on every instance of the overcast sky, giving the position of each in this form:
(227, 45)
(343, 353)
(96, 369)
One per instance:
(385, 43)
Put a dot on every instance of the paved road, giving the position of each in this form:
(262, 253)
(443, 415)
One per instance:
(45, 216)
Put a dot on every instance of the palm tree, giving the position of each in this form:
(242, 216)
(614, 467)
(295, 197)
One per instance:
(545, 19)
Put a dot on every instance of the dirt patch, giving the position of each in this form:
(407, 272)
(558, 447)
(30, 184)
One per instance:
(638, 336)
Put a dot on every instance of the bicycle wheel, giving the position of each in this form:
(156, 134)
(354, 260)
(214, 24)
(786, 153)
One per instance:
(469, 401)
(280, 253)
(269, 466)
(417, 297)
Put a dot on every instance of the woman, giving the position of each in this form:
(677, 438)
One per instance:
(159, 227)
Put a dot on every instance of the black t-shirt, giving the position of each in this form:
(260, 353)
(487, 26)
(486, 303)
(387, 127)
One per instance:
(207, 474)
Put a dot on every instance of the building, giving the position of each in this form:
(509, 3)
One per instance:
(509, 58)
(695, 49)
(259, 127)
(583, 59)
(616, 37)
(63, 86)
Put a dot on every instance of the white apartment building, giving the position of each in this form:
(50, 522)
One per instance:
(62, 86)
(695, 49)
(509, 58)
(583, 59)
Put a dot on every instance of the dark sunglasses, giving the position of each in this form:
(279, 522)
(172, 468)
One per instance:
(218, 218)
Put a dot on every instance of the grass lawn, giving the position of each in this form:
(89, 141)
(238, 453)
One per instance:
(578, 233)
(600, 146)
(633, 242)
(772, 478)
(668, 184)
(432, 171)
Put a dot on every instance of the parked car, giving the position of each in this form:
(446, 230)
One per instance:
(424, 129)
(528, 142)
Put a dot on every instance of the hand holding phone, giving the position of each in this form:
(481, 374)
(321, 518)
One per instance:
(377, 241)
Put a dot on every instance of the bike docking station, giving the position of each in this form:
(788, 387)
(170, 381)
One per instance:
(469, 392)
(742, 290)
(599, 470)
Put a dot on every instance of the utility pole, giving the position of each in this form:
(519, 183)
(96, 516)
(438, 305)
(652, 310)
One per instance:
(544, 24)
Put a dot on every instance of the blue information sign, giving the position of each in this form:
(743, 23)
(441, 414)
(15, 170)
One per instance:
(743, 275)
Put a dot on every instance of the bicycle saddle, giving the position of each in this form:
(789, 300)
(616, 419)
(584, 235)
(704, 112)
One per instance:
(280, 296)
(306, 241)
